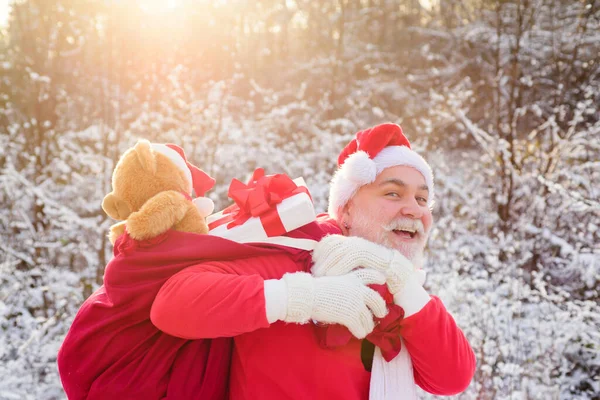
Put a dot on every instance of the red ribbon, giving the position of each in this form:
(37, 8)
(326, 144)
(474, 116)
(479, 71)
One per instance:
(259, 198)
(386, 334)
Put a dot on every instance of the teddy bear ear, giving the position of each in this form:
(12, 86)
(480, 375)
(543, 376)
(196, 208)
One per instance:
(147, 158)
(115, 207)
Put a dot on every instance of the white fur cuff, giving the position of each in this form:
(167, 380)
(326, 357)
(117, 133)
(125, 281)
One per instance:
(276, 298)
(413, 297)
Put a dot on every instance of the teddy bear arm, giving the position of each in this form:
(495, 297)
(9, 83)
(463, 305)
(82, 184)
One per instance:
(159, 214)
(193, 221)
(115, 231)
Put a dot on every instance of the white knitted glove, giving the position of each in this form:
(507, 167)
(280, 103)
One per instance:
(337, 255)
(347, 300)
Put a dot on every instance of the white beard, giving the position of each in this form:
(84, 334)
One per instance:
(362, 226)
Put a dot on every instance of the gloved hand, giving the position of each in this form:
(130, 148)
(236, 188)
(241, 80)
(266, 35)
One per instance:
(337, 255)
(346, 300)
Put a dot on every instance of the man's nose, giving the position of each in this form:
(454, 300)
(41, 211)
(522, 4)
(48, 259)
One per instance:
(410, 208)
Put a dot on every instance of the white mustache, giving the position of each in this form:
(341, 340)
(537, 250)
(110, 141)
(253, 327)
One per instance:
(405, 223)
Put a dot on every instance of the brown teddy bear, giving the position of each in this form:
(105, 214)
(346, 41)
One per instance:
(152, 186)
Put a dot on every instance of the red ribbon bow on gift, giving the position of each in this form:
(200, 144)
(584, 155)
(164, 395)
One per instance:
(386, 334)
(259, 198)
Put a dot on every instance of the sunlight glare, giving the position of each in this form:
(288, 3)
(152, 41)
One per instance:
(4, 11)
(158, 6)
(428, 4)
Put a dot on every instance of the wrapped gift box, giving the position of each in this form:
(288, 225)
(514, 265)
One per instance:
(275, 219)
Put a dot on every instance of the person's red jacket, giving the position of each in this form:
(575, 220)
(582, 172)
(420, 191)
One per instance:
(288, 361)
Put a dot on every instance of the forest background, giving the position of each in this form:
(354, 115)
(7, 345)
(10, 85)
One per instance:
(501, 96)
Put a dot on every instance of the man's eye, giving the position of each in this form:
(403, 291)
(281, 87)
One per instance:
(392, 194)
(422, 200)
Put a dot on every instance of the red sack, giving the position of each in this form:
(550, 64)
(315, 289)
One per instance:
(113, 351)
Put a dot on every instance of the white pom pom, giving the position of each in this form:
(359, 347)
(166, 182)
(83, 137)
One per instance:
(204, 205)
(359, 168)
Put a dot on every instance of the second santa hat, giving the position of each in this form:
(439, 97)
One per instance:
(197, 179)
(369, 153)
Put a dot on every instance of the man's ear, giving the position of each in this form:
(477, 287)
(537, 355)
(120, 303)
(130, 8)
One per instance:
(348, 208)
(345, 217)
(115, 207)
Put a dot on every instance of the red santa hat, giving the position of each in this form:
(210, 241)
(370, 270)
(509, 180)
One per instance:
(372, 151)
(197, 179)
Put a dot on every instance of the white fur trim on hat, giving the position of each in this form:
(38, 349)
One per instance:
(204, 205)
(176, 158)
(359, 170)
(393, 156)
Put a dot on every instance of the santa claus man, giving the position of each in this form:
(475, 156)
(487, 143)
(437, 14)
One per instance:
(378, 224)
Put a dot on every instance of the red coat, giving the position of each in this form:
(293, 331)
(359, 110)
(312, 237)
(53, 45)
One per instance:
(113, 351)
(287, 361)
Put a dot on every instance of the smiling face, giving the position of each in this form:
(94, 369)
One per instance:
(392, 211)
